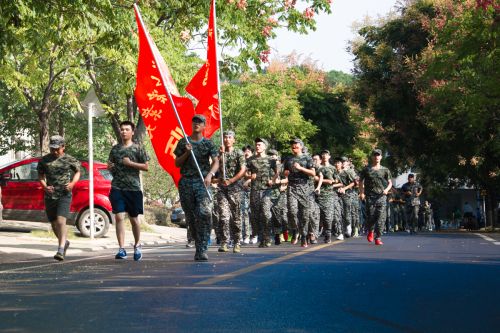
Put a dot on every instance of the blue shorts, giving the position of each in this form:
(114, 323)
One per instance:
(123, 201)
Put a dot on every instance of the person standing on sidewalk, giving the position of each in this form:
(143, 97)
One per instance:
(230, 193)
(58, 173)
(374, 185)
(193, 191)
(126, 160)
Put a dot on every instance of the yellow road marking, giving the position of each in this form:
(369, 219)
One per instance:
(260, 265)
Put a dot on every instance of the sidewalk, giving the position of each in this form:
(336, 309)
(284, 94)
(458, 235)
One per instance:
(17, 240)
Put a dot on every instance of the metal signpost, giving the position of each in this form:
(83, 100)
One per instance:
(94, 109)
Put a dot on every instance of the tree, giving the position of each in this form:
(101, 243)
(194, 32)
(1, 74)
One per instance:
(265, 105)
(384, 82)
(457, 77)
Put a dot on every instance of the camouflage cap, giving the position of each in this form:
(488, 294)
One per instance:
(376, 151)
(344, 159)
(264, 141)
(199, 118)
(272, 152)
(325, 151)
(229, 133)
(56, 141)
(297, 140)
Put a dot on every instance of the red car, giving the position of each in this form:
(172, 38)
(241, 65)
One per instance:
(22, 196)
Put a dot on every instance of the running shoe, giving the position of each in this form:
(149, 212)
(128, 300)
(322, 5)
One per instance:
(378, 241)
(122, 254)
(137, 253)
(369, 237)
(59, 256)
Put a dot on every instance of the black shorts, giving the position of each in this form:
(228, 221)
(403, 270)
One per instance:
(123, 201)
(57, 207)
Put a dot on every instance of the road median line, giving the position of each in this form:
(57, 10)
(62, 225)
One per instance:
(228, 276)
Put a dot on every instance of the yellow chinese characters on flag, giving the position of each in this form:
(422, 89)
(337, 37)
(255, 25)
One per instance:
(152, 99)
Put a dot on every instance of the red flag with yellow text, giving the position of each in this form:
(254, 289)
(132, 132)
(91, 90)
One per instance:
(204, 84)
(153, 80)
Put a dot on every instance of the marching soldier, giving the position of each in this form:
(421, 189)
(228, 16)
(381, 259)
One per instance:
(262, 171)
(348, 178)
(327, 194)
(412, 191)
(229, 194)
(193, 193)
(375, 184)
(299, 169)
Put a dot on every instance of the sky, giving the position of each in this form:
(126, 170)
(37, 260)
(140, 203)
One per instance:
(327, 45)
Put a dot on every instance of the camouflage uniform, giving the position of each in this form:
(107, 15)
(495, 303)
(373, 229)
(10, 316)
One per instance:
(337, 228)
(412, 205)
(126, 178)
(300, 194)
(194, 199)
(326, 199)
(260, 196)
(375, 181)
(58, 171)
(229, 198)
(314, 217)
(347, 177)
(279, 209)
(245, 213)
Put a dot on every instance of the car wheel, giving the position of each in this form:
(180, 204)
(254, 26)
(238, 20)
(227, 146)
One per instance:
(101, 221)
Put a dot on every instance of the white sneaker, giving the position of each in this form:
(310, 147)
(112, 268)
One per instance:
(246, 240)
(340, 237)
(253, 240)
(348, 231)
(190, 244)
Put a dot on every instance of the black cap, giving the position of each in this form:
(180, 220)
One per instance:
(411, 175)
(264, 141)
(337, 159)
(56, 141)
(376, 151)
(325, 151)
(200, 118)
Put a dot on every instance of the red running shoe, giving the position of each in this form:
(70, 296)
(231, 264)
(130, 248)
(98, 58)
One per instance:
(303, 243)
(378, 242)
(285, 235)
(370, 236)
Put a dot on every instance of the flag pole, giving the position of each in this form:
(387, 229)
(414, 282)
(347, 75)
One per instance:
(219, 93)
(163, 80)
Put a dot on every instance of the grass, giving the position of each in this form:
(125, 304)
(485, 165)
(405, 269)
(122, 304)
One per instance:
(50, 234)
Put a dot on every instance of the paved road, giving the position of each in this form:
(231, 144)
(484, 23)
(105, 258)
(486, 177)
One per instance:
(423, 283)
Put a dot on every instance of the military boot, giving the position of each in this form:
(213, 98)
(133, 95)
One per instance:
(223, 248)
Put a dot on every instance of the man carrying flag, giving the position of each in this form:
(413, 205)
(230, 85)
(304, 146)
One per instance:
(193, 192)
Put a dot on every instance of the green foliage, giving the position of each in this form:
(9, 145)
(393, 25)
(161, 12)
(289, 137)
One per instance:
(334, 78)
(265, 105)
(158, 185)
(384, 82)
(459, 73)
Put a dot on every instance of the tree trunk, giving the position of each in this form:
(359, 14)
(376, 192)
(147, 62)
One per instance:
(43, 121)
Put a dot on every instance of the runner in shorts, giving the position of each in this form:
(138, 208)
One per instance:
(58, 173)
(125, 162)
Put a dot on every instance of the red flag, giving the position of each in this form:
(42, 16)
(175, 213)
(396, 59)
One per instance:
(204, 85)
(153, 80)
